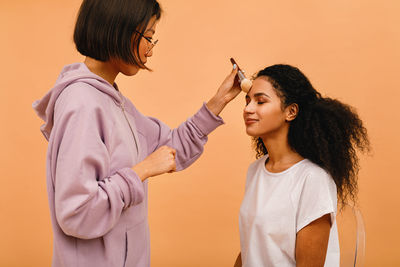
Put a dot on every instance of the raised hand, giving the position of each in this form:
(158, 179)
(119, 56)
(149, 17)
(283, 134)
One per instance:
(228, 90)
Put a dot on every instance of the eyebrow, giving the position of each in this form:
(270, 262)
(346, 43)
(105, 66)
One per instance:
(259, 94)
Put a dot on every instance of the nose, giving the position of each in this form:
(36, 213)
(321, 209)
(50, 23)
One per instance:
(249, 108)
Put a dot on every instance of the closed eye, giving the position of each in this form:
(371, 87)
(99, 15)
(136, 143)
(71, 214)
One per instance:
(247, 100)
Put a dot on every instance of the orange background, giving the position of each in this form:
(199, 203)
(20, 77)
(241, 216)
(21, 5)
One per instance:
(348, 49)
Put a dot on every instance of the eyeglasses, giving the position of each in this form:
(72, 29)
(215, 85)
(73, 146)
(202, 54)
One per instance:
(148, 39)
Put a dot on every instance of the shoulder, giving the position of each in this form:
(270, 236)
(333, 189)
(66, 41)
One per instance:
(255, 167)
(313, 178)
(315, 174)
(81, 96)
(83, 104)
(315, 195)
(258, 163)
(130, 107)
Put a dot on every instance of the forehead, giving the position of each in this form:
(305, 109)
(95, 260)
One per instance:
(262, 85)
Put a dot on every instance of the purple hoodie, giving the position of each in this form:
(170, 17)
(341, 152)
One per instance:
(97, 202)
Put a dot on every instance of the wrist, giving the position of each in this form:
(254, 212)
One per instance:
(141, 171)
(216, 104)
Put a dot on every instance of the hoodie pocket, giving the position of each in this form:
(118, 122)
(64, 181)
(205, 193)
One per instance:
(136, 246)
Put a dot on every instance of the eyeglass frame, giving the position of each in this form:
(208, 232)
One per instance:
(153, 44)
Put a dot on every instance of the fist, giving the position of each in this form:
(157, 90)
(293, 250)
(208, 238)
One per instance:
(159, 162)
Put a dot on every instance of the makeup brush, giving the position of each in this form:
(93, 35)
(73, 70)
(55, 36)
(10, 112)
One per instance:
(245, 83)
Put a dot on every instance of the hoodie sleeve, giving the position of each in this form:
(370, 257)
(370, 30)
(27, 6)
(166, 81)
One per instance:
(88, 201)
(188, 139)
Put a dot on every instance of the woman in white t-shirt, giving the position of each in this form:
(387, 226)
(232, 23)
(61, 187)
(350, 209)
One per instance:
(306, 161)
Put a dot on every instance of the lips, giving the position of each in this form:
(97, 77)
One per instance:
(250, 121)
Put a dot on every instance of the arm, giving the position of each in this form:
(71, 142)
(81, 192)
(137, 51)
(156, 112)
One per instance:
(189, 138)
(88, 199)
(238, 262)
(316, 212)
(228, 90)
(312, 242)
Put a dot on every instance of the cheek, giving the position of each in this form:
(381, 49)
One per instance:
(142, 50)
(270, 110)
(142, 46)
(271, 117)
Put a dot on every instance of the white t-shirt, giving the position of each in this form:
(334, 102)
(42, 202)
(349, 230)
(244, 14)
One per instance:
(278, 205)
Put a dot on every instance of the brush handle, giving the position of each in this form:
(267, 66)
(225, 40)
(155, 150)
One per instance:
(241, 76)
(234, 62)
(240, 73)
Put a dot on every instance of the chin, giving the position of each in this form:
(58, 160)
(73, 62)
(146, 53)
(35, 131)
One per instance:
(252, 133)
(131, 72)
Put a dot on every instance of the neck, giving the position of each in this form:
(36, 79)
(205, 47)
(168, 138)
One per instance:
(280, 155)
(105, 70)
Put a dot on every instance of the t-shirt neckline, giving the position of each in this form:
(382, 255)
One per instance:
(282, 172)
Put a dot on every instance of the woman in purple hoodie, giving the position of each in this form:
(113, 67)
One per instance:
(102, 149)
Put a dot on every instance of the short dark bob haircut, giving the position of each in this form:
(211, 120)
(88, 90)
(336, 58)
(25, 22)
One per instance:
(106, 29)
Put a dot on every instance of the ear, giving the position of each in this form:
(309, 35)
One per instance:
(291, 112)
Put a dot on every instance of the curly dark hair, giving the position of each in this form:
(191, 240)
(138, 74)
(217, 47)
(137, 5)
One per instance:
(325, 131)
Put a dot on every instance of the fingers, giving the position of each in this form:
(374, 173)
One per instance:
(234, 71)
(173, 166)
(173, 151)
(233, 76)
(169, 150)
(170, 155)
(173, 169)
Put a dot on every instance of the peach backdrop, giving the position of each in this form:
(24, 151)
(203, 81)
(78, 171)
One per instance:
(348, 48)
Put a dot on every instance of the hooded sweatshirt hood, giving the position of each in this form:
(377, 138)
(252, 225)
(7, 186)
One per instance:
(77, 72)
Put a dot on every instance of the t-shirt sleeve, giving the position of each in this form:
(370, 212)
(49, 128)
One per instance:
(318, 197)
